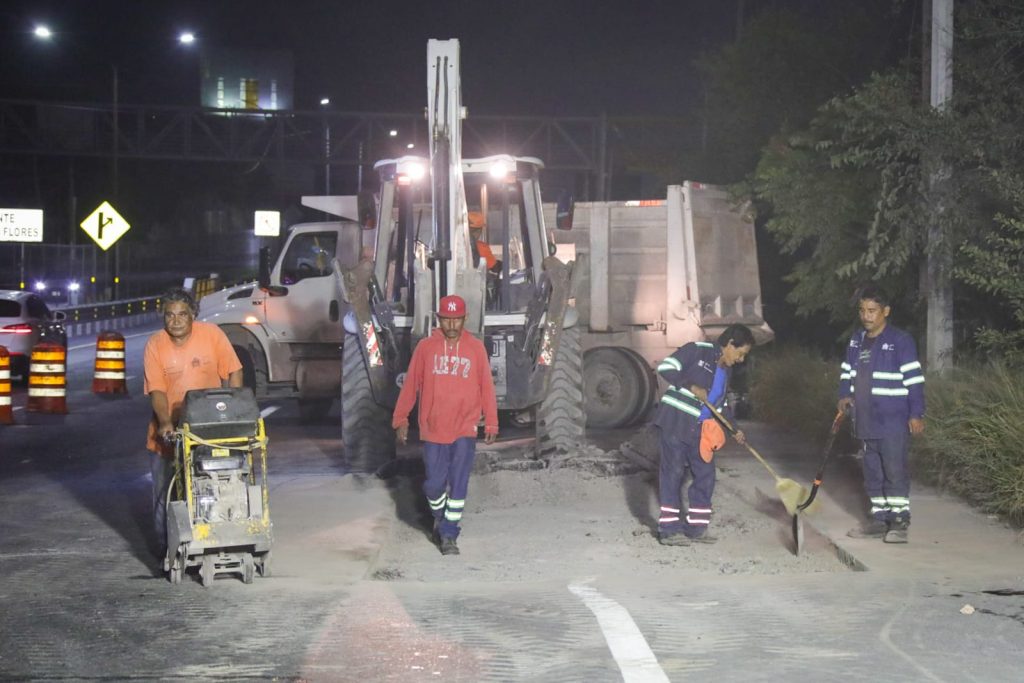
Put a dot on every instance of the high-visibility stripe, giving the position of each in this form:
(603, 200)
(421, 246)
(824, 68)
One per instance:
(109, 375)
(913, 380)
(438, 503)
(879, 391)
(110, 354)
(668, 509)
(697, 520)
(452, 515)
(679, 405)
(913, 365)
(108, 344)
(49, 355)
(701, 511)
(5, 400)
(54, 380)
(5, 374)
(664, 520)
(672, 363)
(705, 344)
(845, 366)
(110, 365)
(46, 367)
(456, 504)
(844, 375)
(888, 375)
(43, 393)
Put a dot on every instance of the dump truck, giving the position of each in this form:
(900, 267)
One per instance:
(653, 275)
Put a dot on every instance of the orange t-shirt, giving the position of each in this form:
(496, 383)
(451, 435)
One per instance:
(203, 362)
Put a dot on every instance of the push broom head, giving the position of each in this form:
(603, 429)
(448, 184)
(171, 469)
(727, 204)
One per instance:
(792, 494)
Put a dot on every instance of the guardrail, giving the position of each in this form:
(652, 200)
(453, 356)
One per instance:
(110, 315)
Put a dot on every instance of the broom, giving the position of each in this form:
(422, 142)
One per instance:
(791, 492)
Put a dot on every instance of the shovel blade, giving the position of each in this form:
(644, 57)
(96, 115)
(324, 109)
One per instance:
(792, 494)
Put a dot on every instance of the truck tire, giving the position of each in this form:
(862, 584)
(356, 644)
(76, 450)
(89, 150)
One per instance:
(619, 387)
(365, 425)
(250, 354)
(561, 419)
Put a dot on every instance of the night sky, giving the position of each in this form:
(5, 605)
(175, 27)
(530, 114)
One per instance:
(558, 57)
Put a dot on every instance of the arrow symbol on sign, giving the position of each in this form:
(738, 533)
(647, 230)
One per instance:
(103, 224)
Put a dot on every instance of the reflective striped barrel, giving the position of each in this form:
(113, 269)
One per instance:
(6, 411)
(46, 383)
(109, 377)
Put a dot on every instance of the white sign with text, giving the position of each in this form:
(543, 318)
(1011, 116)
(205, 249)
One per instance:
(21, 225)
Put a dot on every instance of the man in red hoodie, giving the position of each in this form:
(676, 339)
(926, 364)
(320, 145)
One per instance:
(451, 375)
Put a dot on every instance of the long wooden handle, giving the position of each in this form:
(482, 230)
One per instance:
(732, 430)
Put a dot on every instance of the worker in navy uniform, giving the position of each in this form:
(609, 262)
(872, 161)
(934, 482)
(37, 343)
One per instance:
(883, 382)
(695, 372)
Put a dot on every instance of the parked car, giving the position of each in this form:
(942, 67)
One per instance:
(25, 320)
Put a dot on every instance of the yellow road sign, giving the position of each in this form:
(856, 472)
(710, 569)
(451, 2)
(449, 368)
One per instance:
(105, 226)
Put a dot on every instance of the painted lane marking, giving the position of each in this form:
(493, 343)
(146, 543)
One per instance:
(631, 652)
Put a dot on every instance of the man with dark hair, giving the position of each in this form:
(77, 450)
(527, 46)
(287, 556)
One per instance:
(696, 372)
(882, 381)
(185, 355)
(450, 375)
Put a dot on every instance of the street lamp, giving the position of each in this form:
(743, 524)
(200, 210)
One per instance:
(42, 32)
(325, 102)
(186, 37)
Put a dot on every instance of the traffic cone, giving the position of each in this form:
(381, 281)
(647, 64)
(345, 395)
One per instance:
(6, 412)
(46, 383)
(109, 377)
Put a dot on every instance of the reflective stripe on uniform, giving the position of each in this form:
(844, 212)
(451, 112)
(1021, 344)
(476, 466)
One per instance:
(438, 503)
(670, 363)
(907, 367)
(897, 376)
(913, 380)
(453, 515)
(880, 391)
(680, 405)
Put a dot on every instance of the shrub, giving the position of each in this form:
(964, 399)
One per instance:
(973, 444)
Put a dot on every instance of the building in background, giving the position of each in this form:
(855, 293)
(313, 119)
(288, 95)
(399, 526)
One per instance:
(246, 79)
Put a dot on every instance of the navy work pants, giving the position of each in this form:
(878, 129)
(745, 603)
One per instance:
(677, 459)
(887, 477)
(448, 467)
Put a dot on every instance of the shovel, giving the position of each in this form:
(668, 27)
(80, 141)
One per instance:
(808, 505)
(789, 491)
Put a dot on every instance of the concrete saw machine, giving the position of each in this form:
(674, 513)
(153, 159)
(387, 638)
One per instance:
(218, 518)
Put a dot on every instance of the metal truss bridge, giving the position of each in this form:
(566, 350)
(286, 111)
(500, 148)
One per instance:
(577, 145)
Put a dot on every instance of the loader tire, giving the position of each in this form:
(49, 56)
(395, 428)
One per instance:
(365, 424)
(561, 419)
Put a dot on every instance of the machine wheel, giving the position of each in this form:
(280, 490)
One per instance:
(177, 567)
(648, 386)
(248, 568)
(265, 564)
(207, 570)
(365, 425)
(613, 387)
(560, 417)
(313, 410)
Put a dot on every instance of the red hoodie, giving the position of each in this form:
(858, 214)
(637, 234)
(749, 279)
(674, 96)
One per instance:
(453, 381)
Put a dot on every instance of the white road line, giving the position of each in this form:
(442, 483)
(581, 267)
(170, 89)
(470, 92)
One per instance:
(631, 652)
(19, 408)
(269, 410)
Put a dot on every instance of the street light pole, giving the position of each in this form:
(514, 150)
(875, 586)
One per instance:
(114, 173)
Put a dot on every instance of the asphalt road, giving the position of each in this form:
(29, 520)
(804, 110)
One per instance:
(358, 595)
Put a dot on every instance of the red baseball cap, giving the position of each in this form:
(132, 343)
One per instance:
(452, 306)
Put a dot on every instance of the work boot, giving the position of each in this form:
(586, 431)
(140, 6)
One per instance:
(897, 532)
(677, 538)
(449, 547)
(876, 528)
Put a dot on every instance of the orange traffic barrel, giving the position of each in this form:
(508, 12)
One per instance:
(46, 383)
(6, 412)
(108, 378)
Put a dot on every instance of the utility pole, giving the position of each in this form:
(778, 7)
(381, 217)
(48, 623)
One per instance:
(939, 352)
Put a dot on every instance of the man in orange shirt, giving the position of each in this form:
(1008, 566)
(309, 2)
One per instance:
(450, 373)
(185, 355)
